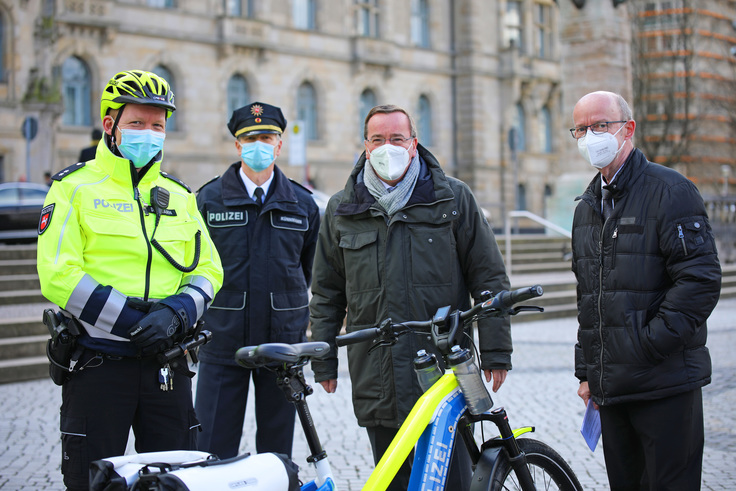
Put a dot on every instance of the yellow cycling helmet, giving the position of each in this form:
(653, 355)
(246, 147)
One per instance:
(137, 87)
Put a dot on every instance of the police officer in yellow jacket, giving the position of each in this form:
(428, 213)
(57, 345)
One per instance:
(123, 250)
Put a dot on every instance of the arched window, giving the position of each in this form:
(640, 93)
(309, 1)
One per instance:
(545, 130)
(162, 71)
(520, 125)
(521, 197)
(424, 121)
(304, 14)
(306, 109)
(75, 79)
(237, 93)
(367, 102)
(420, 23)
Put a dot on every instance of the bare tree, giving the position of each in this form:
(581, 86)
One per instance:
(663, 58)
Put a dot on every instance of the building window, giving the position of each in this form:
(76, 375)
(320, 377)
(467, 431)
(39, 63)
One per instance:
(76, 92)
(160, 70)
(162, 4)
(3, 44)
(545, 130)
(543, 26)
(521, 197)
(304, 14)
(306, 109)
(512, 30)
(420, 23)
(367, 102)
(237, 93)
(424, 121)
(520, 128)
(239, 8)
(366, 16)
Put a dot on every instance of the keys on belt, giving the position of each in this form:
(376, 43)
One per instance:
(166, 378)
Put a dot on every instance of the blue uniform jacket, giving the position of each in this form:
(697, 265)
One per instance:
(267, 260)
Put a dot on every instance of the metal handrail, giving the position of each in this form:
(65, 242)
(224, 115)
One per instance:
(527, 214)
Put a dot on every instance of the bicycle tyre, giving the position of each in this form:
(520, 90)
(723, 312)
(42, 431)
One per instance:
(549, 470)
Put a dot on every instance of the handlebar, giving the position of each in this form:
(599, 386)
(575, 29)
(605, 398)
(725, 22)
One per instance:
(182, 349)
(500, 305)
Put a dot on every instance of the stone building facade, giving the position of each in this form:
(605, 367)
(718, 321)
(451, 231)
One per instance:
(469, 71)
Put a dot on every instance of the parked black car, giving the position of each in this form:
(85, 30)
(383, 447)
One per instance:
(20, 208)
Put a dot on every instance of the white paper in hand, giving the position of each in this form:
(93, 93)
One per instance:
(591, 428)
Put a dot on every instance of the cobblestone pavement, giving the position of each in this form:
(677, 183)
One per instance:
(539, 391)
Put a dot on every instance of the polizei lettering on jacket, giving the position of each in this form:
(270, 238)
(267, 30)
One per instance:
(226, 218)
(122, 207)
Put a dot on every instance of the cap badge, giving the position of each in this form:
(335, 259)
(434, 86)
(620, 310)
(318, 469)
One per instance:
(258, 120)
(256, 110)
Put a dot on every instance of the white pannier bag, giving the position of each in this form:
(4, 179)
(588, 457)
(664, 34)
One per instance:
(195, 471)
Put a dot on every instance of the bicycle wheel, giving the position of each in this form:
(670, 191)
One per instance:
(548, 469)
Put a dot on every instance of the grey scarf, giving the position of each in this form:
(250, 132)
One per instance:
(394, 199)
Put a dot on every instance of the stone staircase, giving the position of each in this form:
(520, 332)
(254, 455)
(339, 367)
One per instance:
(536, 259)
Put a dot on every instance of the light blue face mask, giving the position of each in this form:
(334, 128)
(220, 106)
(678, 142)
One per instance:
(257, 155)
(140, 146)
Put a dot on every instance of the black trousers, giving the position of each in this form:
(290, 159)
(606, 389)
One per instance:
(222, 395)
(654, 445)
(101, 403)
(458, 477)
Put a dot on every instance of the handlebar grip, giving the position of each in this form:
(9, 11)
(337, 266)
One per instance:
(203, 337)
(508, 299)
(360, 336)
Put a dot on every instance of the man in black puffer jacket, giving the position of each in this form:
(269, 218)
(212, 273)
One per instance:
(648, 278)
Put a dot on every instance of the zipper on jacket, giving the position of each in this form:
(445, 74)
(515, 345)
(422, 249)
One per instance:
(142, 211)
(614, 236)
(681, 235)
(600, 301)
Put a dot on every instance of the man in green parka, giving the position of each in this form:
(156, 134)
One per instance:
(401, 240)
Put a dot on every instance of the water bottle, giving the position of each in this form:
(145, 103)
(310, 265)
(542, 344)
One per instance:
(470, 380)
(427, 369)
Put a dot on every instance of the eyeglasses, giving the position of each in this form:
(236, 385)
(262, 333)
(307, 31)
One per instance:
(596, 128)
(394, 140)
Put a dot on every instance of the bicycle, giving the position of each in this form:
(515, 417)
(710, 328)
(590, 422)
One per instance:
(450, 406)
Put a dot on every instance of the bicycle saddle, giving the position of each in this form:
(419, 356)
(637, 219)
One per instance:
(270, 353)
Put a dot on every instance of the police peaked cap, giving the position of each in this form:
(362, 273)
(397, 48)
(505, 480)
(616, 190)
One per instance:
(257, 118)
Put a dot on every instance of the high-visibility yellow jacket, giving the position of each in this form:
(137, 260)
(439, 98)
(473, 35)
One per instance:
(95, 252)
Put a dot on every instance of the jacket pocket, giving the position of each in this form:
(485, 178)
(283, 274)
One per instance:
(433, 255)
(106, 225)
(229, 300)
(360, 254)
(692, 236)
(289, 317)
(177, 238)
(74, 453)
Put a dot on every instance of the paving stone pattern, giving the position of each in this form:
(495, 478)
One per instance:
(539, 391)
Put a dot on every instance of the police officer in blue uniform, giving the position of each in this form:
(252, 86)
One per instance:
(265, 228)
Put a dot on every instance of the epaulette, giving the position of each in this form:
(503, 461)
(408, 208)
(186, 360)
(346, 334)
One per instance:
(176, 180)
(211, 180)
(63, 173)
(300, 185)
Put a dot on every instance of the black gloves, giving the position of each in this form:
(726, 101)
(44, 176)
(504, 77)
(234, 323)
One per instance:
(155, 332)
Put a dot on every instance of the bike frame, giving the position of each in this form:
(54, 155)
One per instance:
(430, 426)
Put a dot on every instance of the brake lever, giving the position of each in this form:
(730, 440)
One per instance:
(388, 338)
